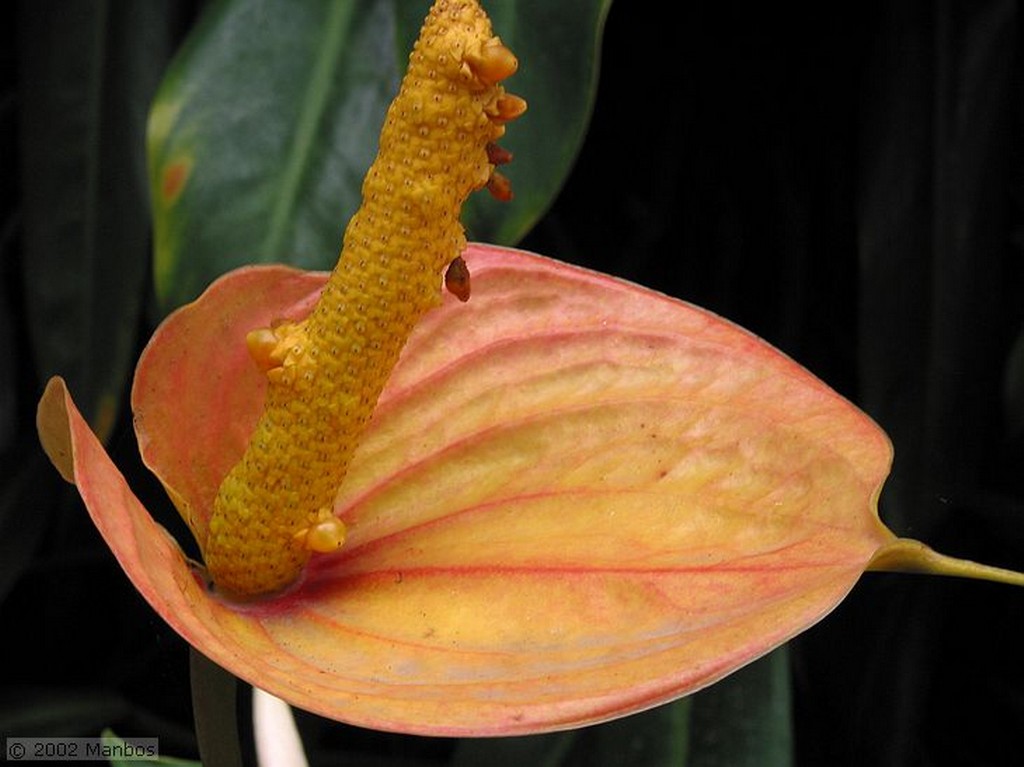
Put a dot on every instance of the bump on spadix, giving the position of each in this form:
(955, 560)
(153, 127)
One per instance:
(493, 62)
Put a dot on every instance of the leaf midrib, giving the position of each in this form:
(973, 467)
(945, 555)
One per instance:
(314, 104)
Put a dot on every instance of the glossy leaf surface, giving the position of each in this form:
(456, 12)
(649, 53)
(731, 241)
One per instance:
(577, 499)
(269, 117)
(86, 227)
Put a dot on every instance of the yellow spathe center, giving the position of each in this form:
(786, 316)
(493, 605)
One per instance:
(325, 373)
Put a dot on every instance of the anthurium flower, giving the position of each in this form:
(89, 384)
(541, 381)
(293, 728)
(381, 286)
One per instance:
(573, 498)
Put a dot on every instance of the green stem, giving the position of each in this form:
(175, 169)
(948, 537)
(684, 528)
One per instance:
(909, 556)
(213, 709)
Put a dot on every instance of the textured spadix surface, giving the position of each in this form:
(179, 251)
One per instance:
(577, 498)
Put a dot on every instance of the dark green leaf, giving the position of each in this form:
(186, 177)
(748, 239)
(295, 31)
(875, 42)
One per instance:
(269, 117)
(655, 738)
(26, 502)
(534, 750)
(744, 720)
(86, 229)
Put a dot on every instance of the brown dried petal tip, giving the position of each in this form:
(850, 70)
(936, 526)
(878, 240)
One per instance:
(500, 187)
(456, 279)
(497, 155)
